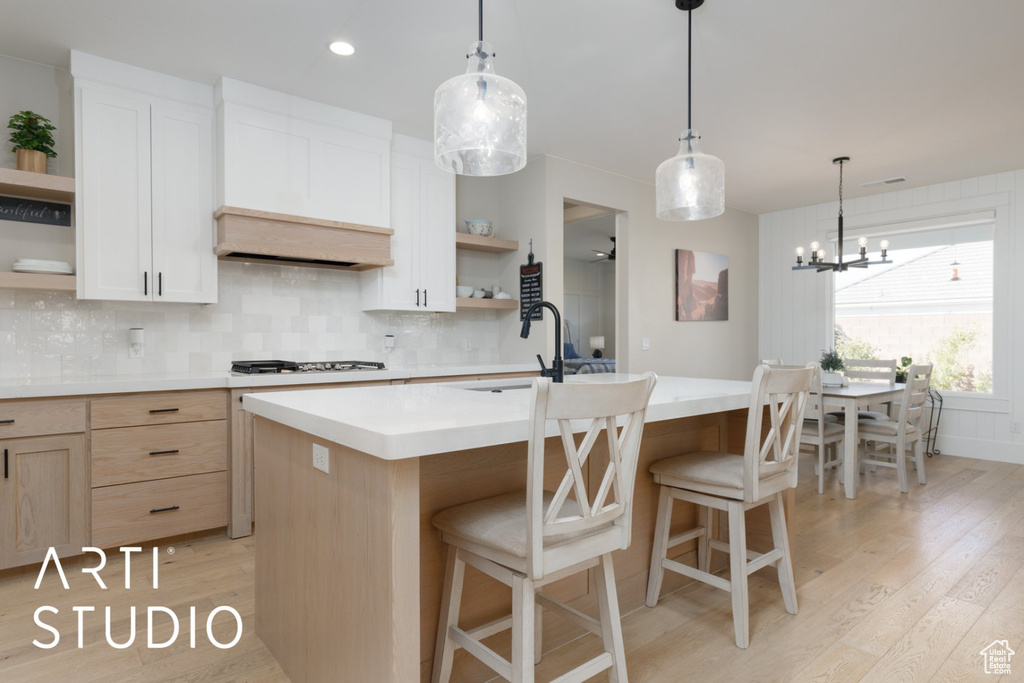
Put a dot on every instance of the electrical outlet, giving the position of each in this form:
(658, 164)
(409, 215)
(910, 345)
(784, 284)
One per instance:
(1015, 426)
(645, 344)
(321, 458)
(467, 344)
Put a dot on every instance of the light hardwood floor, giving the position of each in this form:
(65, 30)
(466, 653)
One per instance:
(891, 587)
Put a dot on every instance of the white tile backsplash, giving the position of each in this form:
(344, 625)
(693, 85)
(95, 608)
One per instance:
(264, 312)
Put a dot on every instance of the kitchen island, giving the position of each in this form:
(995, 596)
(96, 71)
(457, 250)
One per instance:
(348, 567)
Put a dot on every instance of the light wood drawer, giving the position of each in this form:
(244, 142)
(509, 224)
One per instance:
(132, 454)
(163, 408)
(37, 418)
(132, 513)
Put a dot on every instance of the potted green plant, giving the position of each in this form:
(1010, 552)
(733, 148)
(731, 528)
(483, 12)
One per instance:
(904, 366)
(32, 139)
(831, 364)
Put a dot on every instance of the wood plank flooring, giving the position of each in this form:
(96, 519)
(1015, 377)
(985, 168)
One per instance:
(891, 588)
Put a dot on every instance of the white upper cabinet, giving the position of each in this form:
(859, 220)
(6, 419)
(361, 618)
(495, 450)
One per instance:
(294, 156)
(423, 246)
(144, 184)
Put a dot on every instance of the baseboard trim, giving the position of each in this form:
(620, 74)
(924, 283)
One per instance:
(998, 451)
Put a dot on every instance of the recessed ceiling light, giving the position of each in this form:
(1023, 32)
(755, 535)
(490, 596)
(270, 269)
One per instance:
(342, 48)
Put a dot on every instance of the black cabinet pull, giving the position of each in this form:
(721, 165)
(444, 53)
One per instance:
(145, 283)
(417, 297)
(170, 452)
(6, 422)
(5, 463)
(160, 284)
(424, 298)
(164, 410)
(168, 509)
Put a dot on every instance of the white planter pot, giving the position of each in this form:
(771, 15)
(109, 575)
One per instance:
(831, 379)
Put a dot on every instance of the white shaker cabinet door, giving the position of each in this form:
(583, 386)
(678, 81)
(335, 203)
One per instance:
(184, 264)
(397, 288)
(113, 209)
(437, 237)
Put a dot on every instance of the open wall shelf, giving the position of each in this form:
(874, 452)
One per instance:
(496, 304)
(37, 281)
(490, 244)
(50, 188)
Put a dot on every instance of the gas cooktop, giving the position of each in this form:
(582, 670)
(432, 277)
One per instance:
(254, 367)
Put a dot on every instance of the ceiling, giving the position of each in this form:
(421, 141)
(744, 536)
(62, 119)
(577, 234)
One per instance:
(920, 88)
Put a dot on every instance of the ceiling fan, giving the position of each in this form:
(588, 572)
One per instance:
(605, 255)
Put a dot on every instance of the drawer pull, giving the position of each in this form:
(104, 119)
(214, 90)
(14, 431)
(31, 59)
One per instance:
(5, 463)
(6, 422)
(173, 507)
(164, 410)
(171, 452)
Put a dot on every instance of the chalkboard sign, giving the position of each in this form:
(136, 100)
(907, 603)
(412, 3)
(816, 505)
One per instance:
(531, 290)
(34, 211)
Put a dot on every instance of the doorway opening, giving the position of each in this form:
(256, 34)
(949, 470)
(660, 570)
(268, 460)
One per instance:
(589, 307)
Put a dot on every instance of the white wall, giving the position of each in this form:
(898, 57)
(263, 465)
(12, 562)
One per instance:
(795, 315)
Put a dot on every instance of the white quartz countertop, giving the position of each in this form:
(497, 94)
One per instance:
(117, 384)
(409, 421)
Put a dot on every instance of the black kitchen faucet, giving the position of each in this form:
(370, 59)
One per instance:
(556, 372)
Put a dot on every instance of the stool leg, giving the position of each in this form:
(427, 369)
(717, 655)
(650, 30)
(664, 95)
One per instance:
(781, 540)
(704, 519)
(524, 601)
(738, 573)
(611, 624)
(538, 633)
(660, 550)
(451, 599)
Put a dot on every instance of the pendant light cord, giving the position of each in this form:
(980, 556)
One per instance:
(840, 188)
(480, 30)
(689, 69)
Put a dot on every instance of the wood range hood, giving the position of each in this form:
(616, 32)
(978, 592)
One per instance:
(263, 236)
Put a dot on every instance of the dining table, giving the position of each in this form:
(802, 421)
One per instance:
(851, 398)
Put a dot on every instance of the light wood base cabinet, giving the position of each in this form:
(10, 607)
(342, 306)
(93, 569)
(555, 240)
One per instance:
(43, 498)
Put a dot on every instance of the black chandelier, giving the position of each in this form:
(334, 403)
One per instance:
(817, 260)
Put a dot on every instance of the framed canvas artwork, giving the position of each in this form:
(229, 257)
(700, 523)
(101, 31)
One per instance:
(702, 285)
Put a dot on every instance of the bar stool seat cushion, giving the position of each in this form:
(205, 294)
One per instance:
(720, 470)
(500, 522)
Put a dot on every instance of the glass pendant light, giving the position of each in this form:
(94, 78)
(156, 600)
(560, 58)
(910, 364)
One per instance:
(691, 185)
(480, 117)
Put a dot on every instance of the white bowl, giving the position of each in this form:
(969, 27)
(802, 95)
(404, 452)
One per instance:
(463, 291)
(480, 227)
(478, 294)
(502, 295)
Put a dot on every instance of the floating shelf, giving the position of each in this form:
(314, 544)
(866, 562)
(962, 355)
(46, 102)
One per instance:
(464, 240)
(50, 188)
(38, 281)
(498, 304)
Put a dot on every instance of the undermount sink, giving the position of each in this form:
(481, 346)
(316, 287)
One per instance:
(498, 389)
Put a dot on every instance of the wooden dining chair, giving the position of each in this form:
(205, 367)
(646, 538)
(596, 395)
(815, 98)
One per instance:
(870, 370)
(531, 538)
(821, 436)
(735, 484)
(885, 442)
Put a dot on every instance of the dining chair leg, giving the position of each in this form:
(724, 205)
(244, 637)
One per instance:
(738, 573)
(451, 599)
(524, 601)
(660, 550)
(705, 517)
(780, 538)
(901, 466)
(821, 468)
(919, 459)
(611, 624)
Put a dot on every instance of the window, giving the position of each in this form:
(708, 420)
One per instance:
(932, 304)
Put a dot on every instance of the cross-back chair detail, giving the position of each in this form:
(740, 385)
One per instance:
(529, 539)
(735, 484)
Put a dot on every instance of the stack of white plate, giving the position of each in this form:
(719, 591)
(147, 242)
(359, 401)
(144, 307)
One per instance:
(32, 265)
